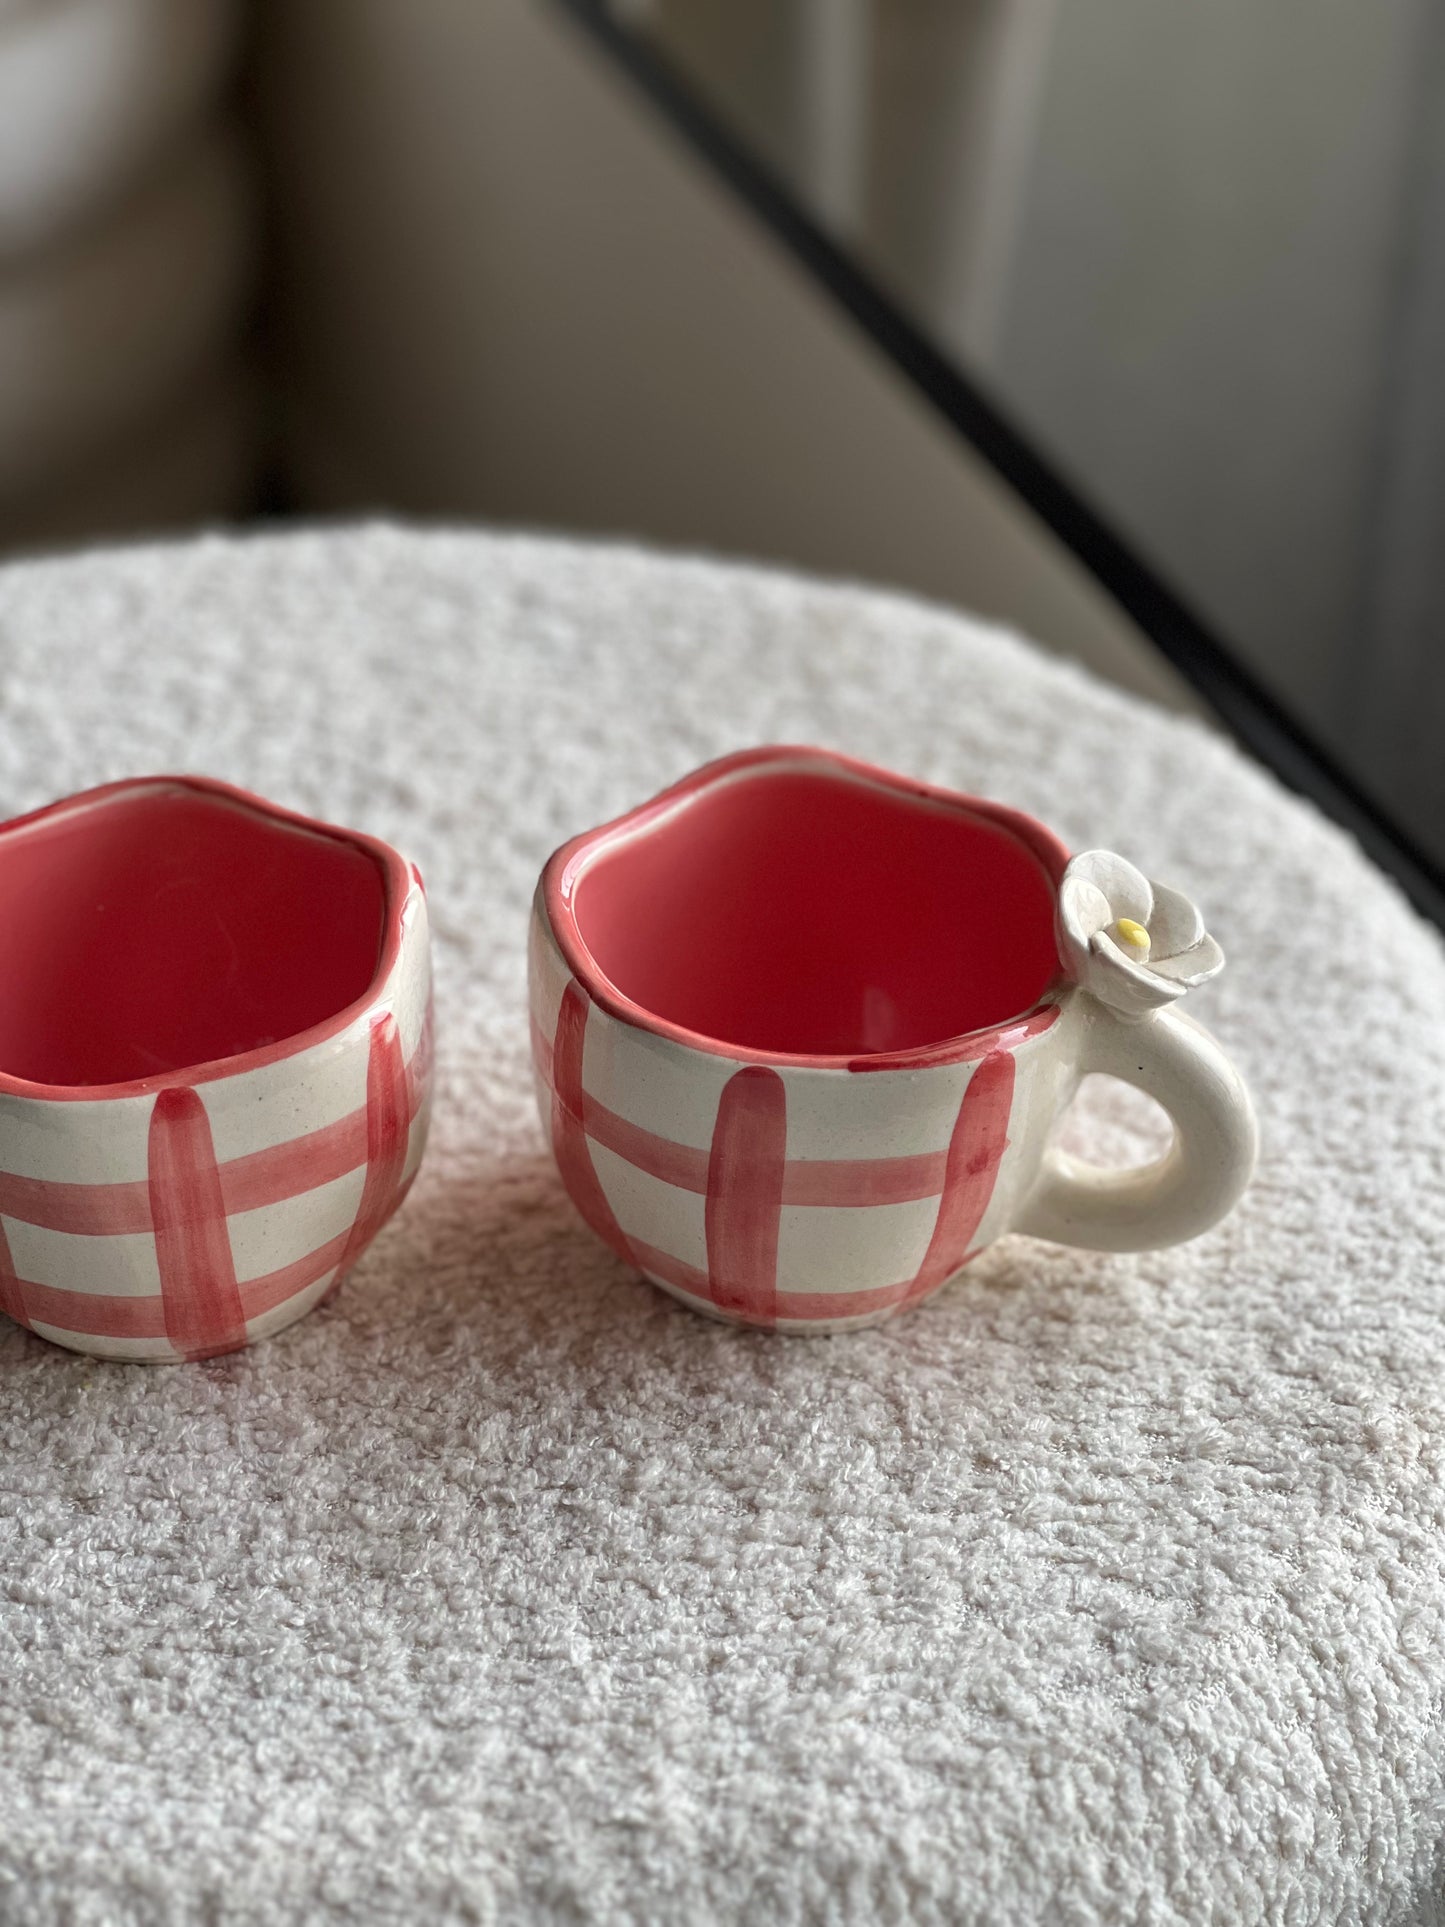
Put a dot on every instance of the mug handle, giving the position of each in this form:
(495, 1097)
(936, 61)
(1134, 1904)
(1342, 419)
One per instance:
(1199, 1178)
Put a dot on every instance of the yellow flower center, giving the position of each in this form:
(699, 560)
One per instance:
(1131, 933)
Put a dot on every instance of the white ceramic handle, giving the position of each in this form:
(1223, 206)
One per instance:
(1199, 1178)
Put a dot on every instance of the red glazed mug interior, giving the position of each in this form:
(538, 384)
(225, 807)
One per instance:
(163, 927)
(792, 914)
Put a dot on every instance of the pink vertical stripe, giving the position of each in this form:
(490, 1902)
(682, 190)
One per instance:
(744, 1203)
(975, 1151)
(199, 1295)
(388, 1130)
(569, 1134)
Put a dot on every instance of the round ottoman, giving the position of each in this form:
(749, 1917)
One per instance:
(1096, 1590)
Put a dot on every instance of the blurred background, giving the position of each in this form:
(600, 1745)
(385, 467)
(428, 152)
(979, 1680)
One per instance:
(262, 258)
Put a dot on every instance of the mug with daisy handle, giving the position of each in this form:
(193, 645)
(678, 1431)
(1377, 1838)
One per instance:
(803, 1029)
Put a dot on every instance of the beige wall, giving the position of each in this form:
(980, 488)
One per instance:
(1205, 298)
(127, 267)
(506, 291)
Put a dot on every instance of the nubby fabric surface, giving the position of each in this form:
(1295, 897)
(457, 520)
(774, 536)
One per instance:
(503, 1588)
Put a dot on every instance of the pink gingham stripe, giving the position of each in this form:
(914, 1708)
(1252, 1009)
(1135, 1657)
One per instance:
(747, 1181)
(180, 1222)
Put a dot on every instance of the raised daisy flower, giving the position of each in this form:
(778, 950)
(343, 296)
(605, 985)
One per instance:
(1135, 945)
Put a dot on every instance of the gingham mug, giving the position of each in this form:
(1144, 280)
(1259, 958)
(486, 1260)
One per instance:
(802, 1031)
(215, 1064)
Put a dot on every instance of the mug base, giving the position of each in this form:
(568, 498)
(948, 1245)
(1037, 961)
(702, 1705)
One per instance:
(786, 1327)
(160, 1351)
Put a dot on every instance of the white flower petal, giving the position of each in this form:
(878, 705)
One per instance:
(1131, 988)
(1107, 947)
(1195, 965)
(1175, 924)
(1083, 907)
(1126, 888)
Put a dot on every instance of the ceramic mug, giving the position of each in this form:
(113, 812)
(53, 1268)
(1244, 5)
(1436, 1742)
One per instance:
(802, 1030)
(215, 1064)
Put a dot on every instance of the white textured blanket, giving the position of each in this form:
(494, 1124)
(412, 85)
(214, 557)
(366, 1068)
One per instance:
(1097, 1590)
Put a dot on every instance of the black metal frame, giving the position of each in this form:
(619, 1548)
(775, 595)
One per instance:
(1256, 718)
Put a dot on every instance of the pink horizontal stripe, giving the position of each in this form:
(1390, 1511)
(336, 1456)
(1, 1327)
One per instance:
(97, 1314)
(685, 1276)
(863, 1181)
(817, 1181)
(94, 1210)
(258, 1178)
(682, 1165)
(286, 1170)
(802, 1305)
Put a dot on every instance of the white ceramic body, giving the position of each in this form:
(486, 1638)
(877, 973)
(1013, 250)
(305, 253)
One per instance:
(202, 1211)
(817, 1196)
